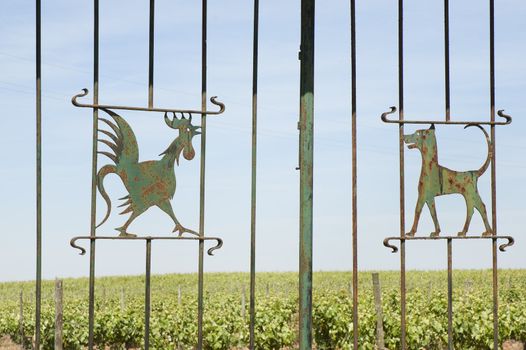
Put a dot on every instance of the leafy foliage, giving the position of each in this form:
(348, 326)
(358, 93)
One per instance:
(120, 311)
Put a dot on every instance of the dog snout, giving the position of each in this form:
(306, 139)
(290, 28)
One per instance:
(410, 141)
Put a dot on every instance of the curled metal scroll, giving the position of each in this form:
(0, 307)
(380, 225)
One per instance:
(74, 244)
(147, 109)
(394, 248)
(510, 242)
(507, 120)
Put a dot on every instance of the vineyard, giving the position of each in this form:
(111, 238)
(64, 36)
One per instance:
(120, 306)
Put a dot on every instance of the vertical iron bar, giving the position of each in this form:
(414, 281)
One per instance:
(38, 286)
(354, 177)
(91, 312)
(493, 177)
(200, 306)
(449, 295)
(306, 171)
(446, 59)
(147, 294)
(254, 174)
(402, 171)
(151, 53)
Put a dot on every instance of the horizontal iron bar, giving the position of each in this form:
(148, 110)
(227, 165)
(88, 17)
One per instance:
(501, 114)
(148, 109)
(502, 247)
(73, 241)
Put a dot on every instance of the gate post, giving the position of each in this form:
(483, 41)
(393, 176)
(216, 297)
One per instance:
(306, 126)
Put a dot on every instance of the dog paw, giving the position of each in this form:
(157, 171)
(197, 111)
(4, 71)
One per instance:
(410, 234)
(487, 233)
(434, 234)
(461, 234)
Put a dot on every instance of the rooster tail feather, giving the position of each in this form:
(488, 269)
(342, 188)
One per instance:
(111, 145)
(113, 126)
(110, 135)
(125, 203)
(105, 170)
(109, 155)
(127, 210)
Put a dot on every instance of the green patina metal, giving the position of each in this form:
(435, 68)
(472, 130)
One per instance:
(306, 155)
(437, 180)
(149, 183)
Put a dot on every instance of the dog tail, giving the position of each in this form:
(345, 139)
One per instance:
(484, 166)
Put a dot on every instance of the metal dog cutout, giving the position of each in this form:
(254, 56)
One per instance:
(436, 180)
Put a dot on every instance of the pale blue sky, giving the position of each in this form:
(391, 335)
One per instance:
(67, 68)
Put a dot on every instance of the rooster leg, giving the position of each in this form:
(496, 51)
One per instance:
(166, 206)
(181, 229)
(124, 227)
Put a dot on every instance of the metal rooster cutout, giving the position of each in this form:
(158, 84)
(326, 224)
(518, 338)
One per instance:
(149, 183)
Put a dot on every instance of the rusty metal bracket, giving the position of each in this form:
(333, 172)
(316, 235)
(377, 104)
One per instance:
(502, 247)
(73, 241)
(85, 92)
(501, 114)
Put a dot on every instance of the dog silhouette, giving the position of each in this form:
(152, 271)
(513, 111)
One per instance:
(437, 180)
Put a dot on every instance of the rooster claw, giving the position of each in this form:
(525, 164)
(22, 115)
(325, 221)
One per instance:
(126, 234)
(181, 229)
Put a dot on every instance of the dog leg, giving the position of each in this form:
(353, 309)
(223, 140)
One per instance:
(433, 211)
(469, 214)
(481, 208)
(418, 211)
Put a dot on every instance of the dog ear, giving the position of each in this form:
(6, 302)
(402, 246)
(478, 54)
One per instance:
(432, 127)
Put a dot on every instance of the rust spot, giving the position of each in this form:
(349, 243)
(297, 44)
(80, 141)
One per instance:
(124, 176)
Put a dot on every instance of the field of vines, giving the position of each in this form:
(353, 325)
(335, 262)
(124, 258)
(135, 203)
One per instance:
(120, 305)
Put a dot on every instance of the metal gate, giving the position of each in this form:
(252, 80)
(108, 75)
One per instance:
(148, 185)
(436, 180)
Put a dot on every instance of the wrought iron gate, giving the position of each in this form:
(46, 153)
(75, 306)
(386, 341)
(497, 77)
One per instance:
(148, 183)
(436, 180)
(149, 186)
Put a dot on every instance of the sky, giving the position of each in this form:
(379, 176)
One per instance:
(67, 68)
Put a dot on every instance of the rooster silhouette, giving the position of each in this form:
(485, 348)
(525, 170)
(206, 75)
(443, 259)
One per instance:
(149, 183)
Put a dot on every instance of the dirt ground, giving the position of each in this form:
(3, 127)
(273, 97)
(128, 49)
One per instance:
(7, 344)
(512, 345)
